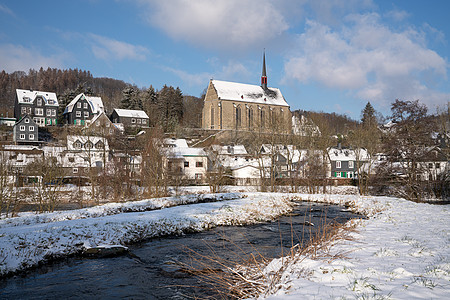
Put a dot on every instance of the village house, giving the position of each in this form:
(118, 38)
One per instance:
(84, 154)
(82, 109)
(42, 107)
(345, 163)
(101, 125)
(17, 158)
(183, 162)
(130, 117)
(25, 131)
(238, 106)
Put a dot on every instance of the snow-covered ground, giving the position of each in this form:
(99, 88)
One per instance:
(30, 239)
(400, 252)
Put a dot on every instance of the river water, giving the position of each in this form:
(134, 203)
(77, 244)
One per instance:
(152, 270)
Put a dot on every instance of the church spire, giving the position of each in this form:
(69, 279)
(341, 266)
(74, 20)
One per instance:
(263, 75)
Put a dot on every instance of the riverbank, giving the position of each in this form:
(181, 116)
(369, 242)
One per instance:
(401, 252)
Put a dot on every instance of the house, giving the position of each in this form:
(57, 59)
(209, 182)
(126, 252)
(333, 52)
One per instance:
(82, 109)
(238, 106)
(130, 118)
(183, 162)
(25, 130)
(84, 154)
(345, 162)
(42, 107)
(101, 125)
(432, 164)
(17, 158)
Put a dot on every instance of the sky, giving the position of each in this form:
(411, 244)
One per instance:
(324, 55)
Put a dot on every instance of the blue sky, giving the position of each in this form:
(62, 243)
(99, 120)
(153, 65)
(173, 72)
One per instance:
(324, 55)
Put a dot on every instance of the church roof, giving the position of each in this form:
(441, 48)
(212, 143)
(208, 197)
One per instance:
(241, 92)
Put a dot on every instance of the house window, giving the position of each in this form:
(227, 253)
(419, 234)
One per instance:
(199, 164)
(78, 114)
(86, 114)
(22, 128)
(138, 121)
(39, 111)
(338, 164)
(133, 121)
(99, 145)
(49, 121)
(29, 110)
(53, 112)
(49, 112)
(438, 165)
(430, 165)
(75, 170)
(350, 164)
(31, 128)
(77, 145)
(198, 176)
(24, 110)
(31, 136)
(39, 101)
(78, 104)
(22, 136)
(27, 121)
(88, 145)
(144, 122)
(71, 159)
(85, 105)
(186, 164)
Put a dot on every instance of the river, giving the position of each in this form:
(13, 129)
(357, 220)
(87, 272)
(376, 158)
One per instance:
(152, 270)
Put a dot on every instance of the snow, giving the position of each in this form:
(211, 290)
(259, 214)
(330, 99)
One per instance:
(96, 103)
(241, 92)
(131, 113)
(401, 251)
(27, 96)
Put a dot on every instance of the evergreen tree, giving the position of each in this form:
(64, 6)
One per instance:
(368, 116)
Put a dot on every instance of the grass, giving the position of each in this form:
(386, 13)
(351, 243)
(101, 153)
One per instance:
(249, 275)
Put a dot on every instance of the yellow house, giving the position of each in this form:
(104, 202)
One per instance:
(238, 106)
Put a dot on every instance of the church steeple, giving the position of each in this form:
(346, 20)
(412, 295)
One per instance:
(263, 75)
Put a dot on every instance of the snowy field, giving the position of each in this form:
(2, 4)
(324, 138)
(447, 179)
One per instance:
(400, 252)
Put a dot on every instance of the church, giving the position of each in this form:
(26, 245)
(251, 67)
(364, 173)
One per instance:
(246, 107)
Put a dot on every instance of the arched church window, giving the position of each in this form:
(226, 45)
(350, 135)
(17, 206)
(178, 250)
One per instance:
(250, 117)
(212, 117)
(238, 117)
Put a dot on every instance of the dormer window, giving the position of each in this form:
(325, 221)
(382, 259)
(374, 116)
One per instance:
(39, 102)
(88, 145)
(99, 145)
(77, 145)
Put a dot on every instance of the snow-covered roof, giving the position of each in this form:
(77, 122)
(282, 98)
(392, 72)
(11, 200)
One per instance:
(230, 149)
(337, 154)
(241, 92)
(131, 113)
(28, 96)
(96, 103)
(83, 139)
(171, 143)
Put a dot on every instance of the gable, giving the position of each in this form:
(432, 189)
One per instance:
(29, 97)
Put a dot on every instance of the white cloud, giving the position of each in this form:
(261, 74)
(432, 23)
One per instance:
(19, 58)
(218, 24)
(110, 49)
(369, 59)
(6, 10)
